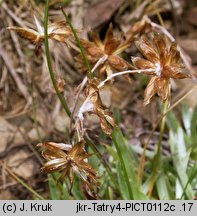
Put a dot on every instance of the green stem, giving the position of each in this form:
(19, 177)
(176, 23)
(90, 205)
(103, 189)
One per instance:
(126, 176)
(79, 44)
(162, 128)
(46, 42)
(157, 159)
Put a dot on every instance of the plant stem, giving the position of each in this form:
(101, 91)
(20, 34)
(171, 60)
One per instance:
(158, 156)
(126, 177)
(79, 44)
(60, 95)
(160, 19)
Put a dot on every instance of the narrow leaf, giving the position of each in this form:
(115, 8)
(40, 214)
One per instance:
(127, 167)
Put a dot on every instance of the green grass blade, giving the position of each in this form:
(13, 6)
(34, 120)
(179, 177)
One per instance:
(186, 115)
(122, 184)
(172, 122)
(163, 187)
(193, 127)
(54, 193)
(180, 158)
(194, 134)
(76, 189)
(65, 194)
(191, 177)
(127, 167)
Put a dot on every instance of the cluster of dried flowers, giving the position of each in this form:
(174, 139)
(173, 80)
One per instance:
(161, 60)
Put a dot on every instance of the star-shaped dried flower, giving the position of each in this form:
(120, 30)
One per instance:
(163, 57)
(69, 160)
(111, 48)
(58, 31)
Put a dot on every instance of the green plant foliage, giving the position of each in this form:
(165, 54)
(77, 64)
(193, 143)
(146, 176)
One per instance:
(182, 146)
(126, 164)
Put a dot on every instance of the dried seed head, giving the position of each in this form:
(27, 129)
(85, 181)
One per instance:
(163, 57)
(71, 161)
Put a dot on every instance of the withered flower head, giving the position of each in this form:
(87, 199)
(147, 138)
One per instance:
(105, 116)
(58, 31)
(69, 160)
(163, 57)
(111, 47)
